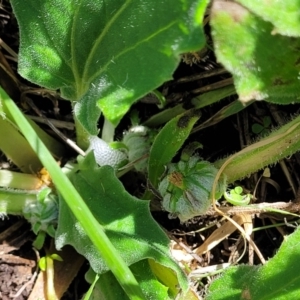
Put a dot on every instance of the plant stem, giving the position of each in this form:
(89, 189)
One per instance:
(13, 201)
(81, 135)
(51, 295)
(19, 181)
(278, 145)
(108, 131)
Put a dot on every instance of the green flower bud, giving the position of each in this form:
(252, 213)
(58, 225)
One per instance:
(43, 214)
(187, 186)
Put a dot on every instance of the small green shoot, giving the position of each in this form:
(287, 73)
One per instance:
(42, 216)
(46, 264)
(235, 197)
(262, 129)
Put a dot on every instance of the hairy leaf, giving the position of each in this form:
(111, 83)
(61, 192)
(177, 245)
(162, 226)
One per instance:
(127, 220)
(284, 15)
(108, 53)
(278, 279)
(264, 65)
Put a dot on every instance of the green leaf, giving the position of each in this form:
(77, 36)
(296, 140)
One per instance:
(284, 15)
(257, 128)
(55, 256)
(262, 129)
(225, 112)
(278, 279)
(108, 53)
(235, 196)
(264, 65)
(43, 263)
(168, 141)
(127, 220)
(108, 288)
(197, 102)
(267, 121)
(92, 278)
(105, 288)
(74, 201)
(168, 278)
(138, 140)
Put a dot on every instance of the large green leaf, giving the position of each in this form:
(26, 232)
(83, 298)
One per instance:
(106, 52)
(278, 279)
(127, 220)
(264, 65)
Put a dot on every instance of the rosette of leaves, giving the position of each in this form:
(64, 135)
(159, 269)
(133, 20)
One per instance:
(186, 189)
(42, 215)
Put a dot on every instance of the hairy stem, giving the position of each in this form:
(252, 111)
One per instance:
(13, 201)
(278, 145)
